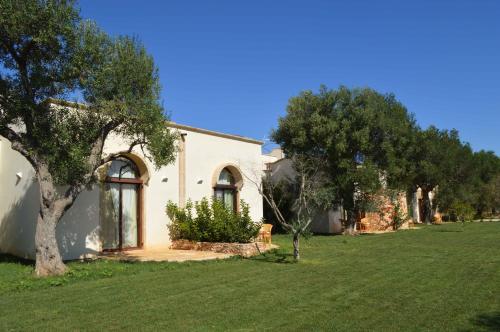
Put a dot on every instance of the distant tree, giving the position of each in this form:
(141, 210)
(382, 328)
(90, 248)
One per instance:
(486, 166)
(443, 164)
(364, 137)
(493, 189)
(46, 51)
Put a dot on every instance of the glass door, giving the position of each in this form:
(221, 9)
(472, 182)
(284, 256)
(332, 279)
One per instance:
(110, 224)
(120, 217)
(129, 216)
(120, 206)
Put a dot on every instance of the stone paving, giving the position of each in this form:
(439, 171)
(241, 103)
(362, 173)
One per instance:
(163, 254)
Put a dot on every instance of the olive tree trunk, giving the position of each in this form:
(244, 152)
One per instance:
(427, 208)
(48, 257)
(351, 223)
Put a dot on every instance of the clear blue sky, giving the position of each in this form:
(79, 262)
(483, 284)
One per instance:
(232, 65)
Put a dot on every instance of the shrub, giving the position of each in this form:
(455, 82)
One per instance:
(462, 211)
(399, 217)
(211, 222)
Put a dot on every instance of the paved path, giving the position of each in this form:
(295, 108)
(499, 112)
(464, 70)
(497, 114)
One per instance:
(164, 255)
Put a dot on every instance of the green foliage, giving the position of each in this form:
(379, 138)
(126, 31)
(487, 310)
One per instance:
(462, 178)
(441, 160)
(370, 141)
(462, 211)
(48, 52)
(361, 133)
(211, 221)
(486, 184)
(398, 217)
(43, 35)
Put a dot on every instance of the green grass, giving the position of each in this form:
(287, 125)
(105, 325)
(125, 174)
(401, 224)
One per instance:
(439, 278)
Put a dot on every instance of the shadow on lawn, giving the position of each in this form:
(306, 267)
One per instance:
(486, 322)
(7, 258)
(449, 230)
(274, 256)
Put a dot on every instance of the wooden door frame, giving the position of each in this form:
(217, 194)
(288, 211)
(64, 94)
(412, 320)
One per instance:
(139, 184)
(236, 194)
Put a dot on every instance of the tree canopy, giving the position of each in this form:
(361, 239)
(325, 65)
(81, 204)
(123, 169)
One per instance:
(371, 141)
(364, 136)
(48, 52)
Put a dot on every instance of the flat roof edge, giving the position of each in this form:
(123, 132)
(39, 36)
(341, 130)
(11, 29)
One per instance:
(169, 124)
(214, 133)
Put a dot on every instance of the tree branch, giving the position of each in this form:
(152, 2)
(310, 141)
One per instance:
(270, 200)
(18, 144)
(94, 161)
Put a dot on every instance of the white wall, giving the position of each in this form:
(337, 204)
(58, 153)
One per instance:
(78, 233)
(18, 211)
(204, 154)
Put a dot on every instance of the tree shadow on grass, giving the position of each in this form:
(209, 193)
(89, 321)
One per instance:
(8, 258)
(449, 230)
(486, 322)
(274, 256)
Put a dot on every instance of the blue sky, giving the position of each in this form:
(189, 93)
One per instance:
(231, 66)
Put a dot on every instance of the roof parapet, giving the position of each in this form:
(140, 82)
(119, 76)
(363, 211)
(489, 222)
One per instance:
(169, 123)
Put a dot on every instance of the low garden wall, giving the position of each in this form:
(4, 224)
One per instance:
(241, 249)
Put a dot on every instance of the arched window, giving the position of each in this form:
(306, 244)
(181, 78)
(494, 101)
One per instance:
(122, 168)
(225, 189)
(121, 206)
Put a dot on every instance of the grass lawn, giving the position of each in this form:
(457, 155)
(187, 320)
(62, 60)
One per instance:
(439, 278)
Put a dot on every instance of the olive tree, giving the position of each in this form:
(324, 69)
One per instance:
(443, 164)
(364, 137)
(47, 51)
(305, 185)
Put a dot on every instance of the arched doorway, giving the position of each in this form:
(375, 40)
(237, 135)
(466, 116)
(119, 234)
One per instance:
(121, 222)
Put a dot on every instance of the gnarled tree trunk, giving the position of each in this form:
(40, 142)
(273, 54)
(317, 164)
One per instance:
(351, 223)
(48, 257)
(427, 208)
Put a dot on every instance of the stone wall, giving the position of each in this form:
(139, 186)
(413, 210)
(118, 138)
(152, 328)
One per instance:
(382, 220)
(241, 249)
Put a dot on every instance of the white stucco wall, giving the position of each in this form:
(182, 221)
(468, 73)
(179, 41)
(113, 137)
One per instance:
(79, 231)
(17, 211)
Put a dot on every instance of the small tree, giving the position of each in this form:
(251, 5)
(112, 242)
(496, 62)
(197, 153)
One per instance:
(306, 186)
(46, 51)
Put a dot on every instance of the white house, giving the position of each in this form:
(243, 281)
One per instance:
(126, 208)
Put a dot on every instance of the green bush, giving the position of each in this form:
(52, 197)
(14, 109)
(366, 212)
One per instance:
(211, 221)
(462, 211)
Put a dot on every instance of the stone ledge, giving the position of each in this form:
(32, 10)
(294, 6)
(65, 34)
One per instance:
(241, 249)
